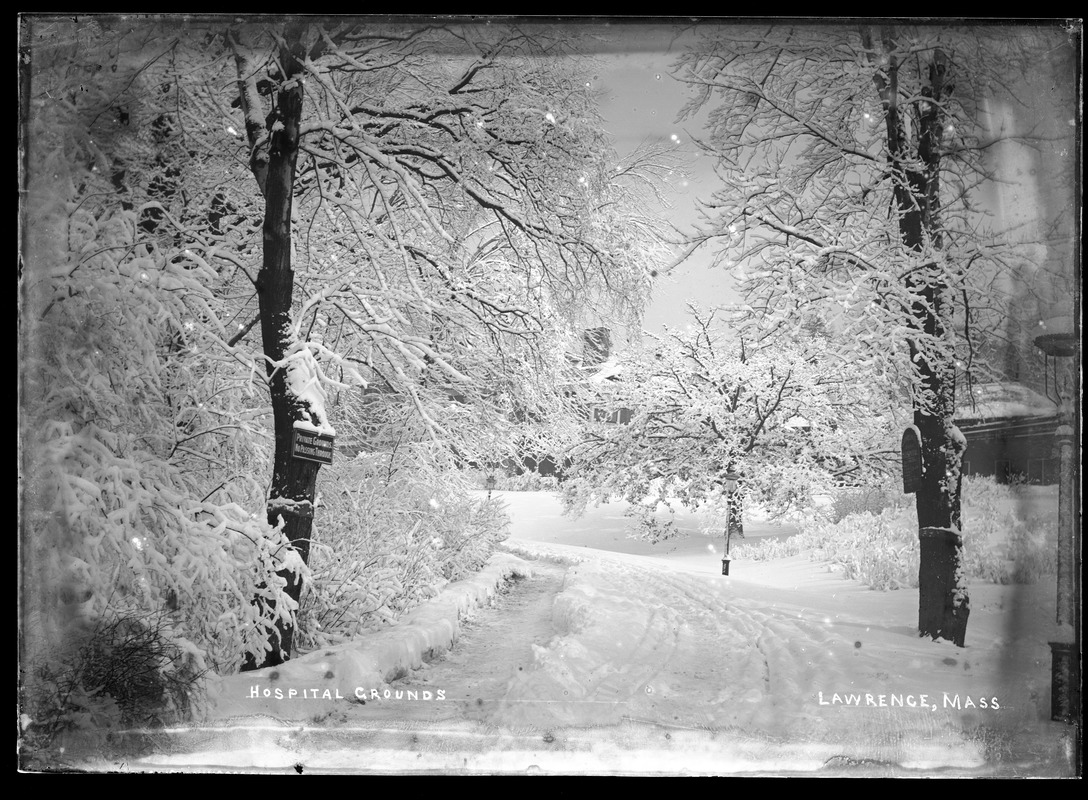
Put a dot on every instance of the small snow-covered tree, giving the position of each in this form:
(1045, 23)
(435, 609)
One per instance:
(854, 161)
(789, 421)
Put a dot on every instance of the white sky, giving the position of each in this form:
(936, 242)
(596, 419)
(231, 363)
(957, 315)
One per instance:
(640, 103)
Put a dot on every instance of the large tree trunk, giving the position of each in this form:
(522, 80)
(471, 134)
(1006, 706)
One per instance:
(943, 602)
(943, 605)
(294, 481)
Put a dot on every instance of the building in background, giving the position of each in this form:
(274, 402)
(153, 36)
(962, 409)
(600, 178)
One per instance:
(1010, 433)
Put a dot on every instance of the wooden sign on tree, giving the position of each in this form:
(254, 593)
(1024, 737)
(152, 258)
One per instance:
(912, 460)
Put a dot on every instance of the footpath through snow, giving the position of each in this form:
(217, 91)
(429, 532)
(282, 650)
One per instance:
(569, 655)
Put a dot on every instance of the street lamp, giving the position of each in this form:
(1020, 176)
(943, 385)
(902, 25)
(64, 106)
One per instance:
(1064, 654)
(730, 483)
(490, 484)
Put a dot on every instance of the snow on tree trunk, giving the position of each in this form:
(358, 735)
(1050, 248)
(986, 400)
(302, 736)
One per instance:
(294, 481)
(943, 605)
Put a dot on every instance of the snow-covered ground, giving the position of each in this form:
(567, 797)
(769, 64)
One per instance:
(604, 655)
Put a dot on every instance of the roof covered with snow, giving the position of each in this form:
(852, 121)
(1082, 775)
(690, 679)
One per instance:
(1004, 401)
(606, 370)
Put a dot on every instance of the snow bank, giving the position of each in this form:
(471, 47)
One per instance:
(536, 552)
(311, 685)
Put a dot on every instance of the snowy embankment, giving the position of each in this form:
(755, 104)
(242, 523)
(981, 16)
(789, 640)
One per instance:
(317, 682)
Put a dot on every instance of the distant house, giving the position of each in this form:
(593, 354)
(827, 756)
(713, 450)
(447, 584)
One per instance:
(595, 363)
(607, 370)
(1010, 432)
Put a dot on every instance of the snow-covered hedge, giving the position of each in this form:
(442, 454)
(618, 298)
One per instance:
(140, 448)
(386, 539)
(857, 501)
(1002, 543)
(142, 445)
(527, 481)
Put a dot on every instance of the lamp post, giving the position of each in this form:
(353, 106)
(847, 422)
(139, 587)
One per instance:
(490, 484)
(730, 482)
(1065, 651)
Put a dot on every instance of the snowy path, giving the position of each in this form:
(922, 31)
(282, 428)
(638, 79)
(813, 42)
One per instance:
(495, 643)
(696, 652)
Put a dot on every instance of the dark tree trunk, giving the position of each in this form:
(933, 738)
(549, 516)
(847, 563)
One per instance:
(943, 602)
(943, 605)
(294, 481)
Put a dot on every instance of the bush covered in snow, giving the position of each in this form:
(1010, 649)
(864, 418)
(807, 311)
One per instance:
(142, 442)
(865, 499)
(124, 670)
(526, 481)
(770, 549)
(390, 532)
(142, 451)
(881, 549)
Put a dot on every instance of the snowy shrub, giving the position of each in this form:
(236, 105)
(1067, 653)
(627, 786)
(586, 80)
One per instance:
(471, 531)
(881, 549)
(139, 450)
(527, 481)
(67, 719)
(1009, 548)
(770, 549)
(391, 532)
(125, 671)
(142, 433)
(1031, 555)
(872, 500)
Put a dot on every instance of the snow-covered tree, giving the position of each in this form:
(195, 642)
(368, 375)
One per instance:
(140, 441)
(789, 421)
(446, 211)
(853, 158)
